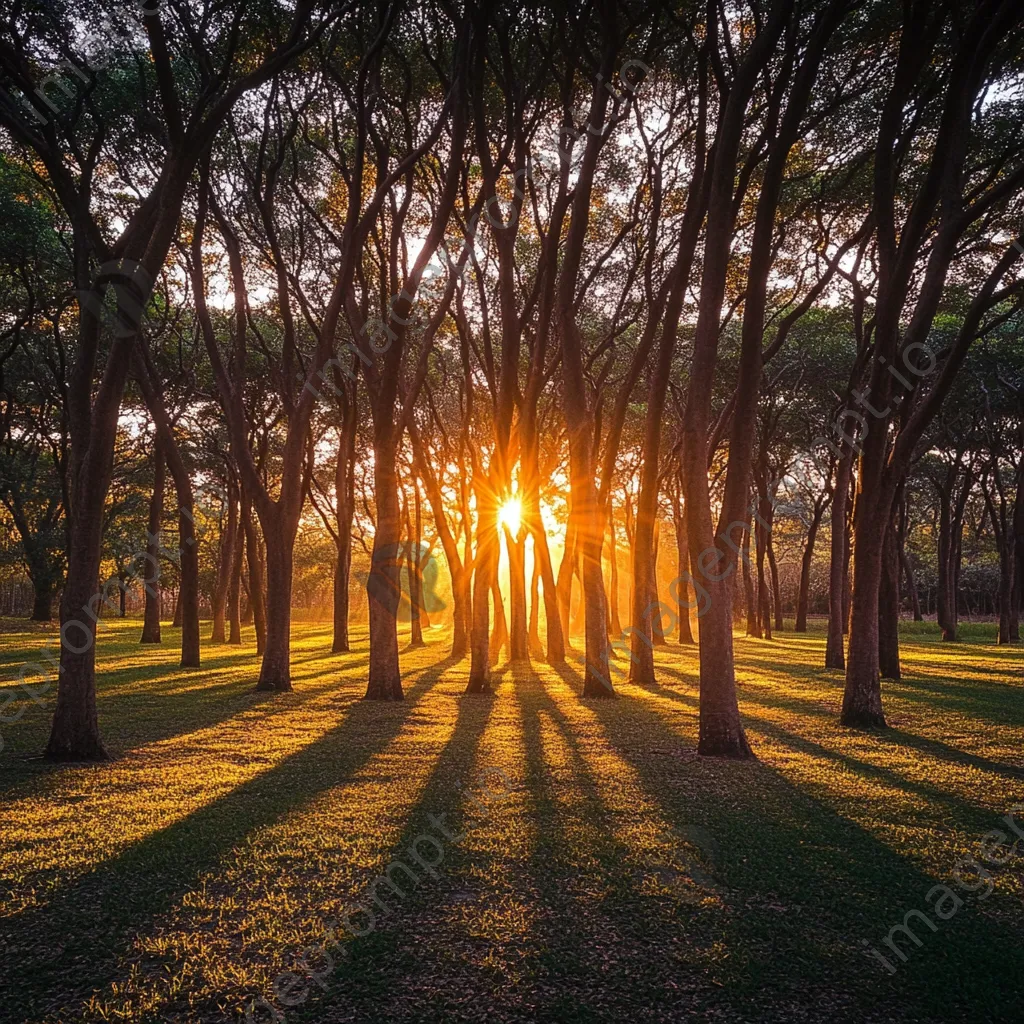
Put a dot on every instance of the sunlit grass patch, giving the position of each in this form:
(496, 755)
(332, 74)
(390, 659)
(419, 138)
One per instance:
(618, 877)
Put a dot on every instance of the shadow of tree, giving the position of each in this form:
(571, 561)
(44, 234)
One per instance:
(61, 952)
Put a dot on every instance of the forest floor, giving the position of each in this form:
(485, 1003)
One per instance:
(588, 866)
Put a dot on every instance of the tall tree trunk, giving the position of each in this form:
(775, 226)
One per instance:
(186, 610)
(749, 593)
(774, 571)
(279, 532)
(42, 599)
(485, 578)
(657, 632)
(518, 641)
(383, 586)
(835, 650)
(225, 565)
(235, 590)
(536, 651)
(764, 602)
(1018, 556)
(682, 567)
(614, 624)
(563, 585)
(946, 594)
(1005, 588)
(75, 734)
(499, 635)
(889, 609)
(554, 618)
(257, 588)
(804, 593)
(412, 562)
(151, 582)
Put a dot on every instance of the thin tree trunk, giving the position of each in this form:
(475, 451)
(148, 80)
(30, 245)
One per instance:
(536, 650)
(889, 609)
(235, 590)
(412, 563)
(749, 593)
(774, 571)
(151, 582)
(682, 567)
(225, 565)
(257, 589)
(804, 593)
(835, 651)
(518, 643)
(614, 625)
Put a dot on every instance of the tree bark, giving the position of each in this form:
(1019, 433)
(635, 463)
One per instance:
(383, 586)
(835, 656)
(804, 593)
(257, 586)
(151, 581)
(275, 669)
(234, 610)
(889, 609)
(682, 567)
(518, 634)
(225, 564)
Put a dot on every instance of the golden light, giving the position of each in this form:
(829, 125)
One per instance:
(510, 515)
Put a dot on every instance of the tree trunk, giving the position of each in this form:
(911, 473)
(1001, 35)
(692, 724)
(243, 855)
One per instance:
(235, 590)
(614, 624)
(554, 632)
(946, 595)
(889, 609)
(862, 697)
(484, 578)
(682, 567)
(536, 651)
(42, 599)
(518, 633)
(749, 593)
(151, 582)
(383, 586)
(275, 669)
(764, 602)
(122, 609)
(412, 567)
(75, 734)
(499, 635)
(563, 585)
(257, 589)
(804, 593)
(774, 571)
(225, 565)
(835, 656)
(1005, 588)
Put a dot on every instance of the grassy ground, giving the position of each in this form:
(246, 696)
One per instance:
(617, 878)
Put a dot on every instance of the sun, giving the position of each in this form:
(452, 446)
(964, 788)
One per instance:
(510, 515)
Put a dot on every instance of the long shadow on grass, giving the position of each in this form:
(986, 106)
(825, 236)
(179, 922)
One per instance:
(766, 697)
(384, 966)
(134, 712)
(61, 952)
(602, 946)
(968, 813)
(812, 885)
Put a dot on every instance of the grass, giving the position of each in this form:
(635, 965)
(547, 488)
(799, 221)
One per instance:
(619, 877)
